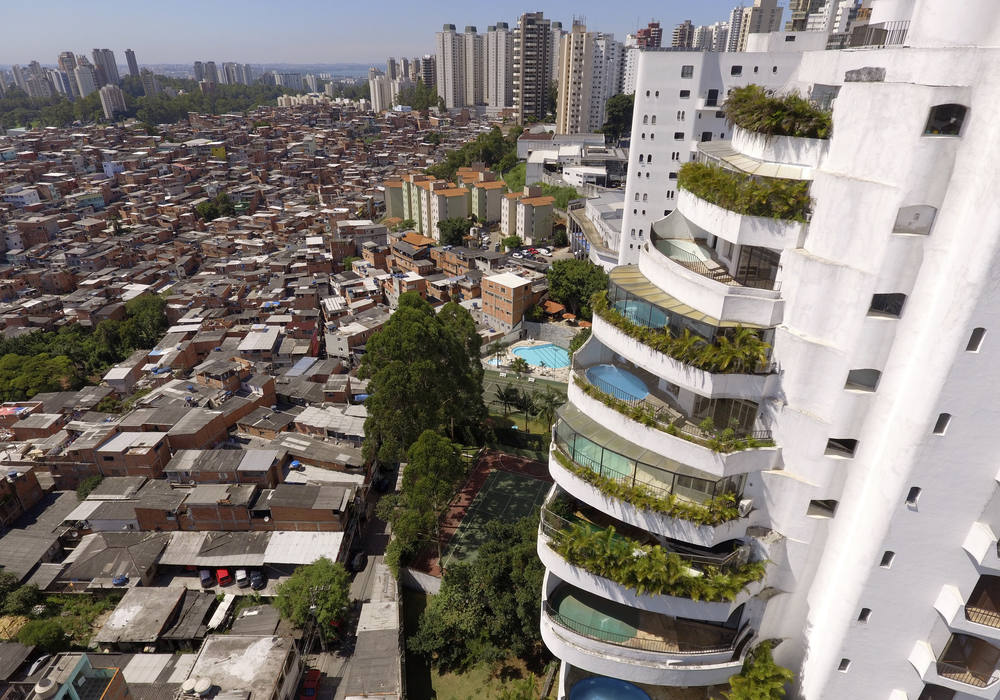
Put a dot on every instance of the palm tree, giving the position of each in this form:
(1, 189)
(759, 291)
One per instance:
(508, 396)
(495, 349)
(526, 403)
(687, 347)
(520, 365)
(547, 403)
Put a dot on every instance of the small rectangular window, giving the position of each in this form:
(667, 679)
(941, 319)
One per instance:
(912, 496)
(736, 70)
(706, 136)
(678, 136)
(975, 340)
(685, 94)
(789, 37)
(887, 558)
(673, 176)
(865, 615)
(941, 425)
(862, 379)
(841, 447)
(687, 71)
(844, 665)
(821, 509)
(887, 305)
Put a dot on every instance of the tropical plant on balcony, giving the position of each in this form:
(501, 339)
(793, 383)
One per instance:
(771, 197)
(649, 569)
(714, 511)
(760, 679)
(755, 109)
(740, 351)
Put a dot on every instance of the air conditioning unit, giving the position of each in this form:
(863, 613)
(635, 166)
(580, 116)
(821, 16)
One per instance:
(746, 505)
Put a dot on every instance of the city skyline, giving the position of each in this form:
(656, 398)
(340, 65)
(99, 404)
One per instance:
(168, 35)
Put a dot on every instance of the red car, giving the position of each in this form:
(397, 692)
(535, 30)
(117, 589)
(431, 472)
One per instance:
(310, 683)
(224, 577)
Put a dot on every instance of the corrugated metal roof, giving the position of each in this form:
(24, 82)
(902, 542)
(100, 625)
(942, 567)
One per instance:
(302, 547)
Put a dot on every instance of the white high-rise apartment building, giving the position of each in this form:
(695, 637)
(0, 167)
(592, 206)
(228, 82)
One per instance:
(876, 510)
(762, 17)
(105, 60)
(630, 64)
(450, 67)
(112, 101)
(557, 35)
(499, 88)
(380, 89)
(687, 89)
(86, 82)
(589, 73)
(473, 66)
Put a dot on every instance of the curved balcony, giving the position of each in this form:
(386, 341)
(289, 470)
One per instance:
(739, 229)
(980, 615)
(552, 527)
(793, 151)
(678, 261)
(712, 385)
(677, 505)
(603, 637)
(967, 665)
(674, 447)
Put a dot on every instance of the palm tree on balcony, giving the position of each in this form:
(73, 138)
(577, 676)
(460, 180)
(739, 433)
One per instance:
(688, 347)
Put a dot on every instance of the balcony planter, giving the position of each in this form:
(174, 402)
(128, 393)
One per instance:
(708, 384)
(790, 150)
(649, 520)
(737, 228)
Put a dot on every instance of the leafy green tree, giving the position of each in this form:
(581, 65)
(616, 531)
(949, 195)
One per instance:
(490, 148)
(487, 609)
(618, 122)
(316, 591)
(8, 584)
(348, 261)
(422, 377)
(220, 205)
(88, 485)
(514, 177)
(573, 282)
(760, 679)
(562, 194)
(21, 601)
(578, 340)
(405, 225)
(48, 635)
(432, 474)
(511, 242)
(453, 231)
(559, 238)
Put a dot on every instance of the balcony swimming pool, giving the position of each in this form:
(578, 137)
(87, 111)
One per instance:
(642, 313)
(604, 688)
(617, 382)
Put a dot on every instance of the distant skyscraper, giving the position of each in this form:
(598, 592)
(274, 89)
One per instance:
(312, 82)
(762, 17)
(67, 63)
(133, 65)
(474, 66)
(248, 77)
(589, 73)
(499, 87)
(427, 70)
(391, 69)
(60, 82)
(112, 101)
(199, 71)
(380, 90)
(683, 37)
(403, 69)
(532, 66)
(211, 73)
(105, 60)
(37, 81)
(86, 81)
(19, 78)
(735, 28)
(288, 80)
(650, 36)
(450, 67)
(150, 84)
(800, 11)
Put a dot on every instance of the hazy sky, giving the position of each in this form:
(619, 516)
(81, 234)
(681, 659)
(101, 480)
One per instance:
(298, 31)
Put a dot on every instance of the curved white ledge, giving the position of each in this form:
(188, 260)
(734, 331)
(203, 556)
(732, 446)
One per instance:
(651, 521)
(761, 307)
(662, 604)
(740, 229)
(753, 387)
(786, 150)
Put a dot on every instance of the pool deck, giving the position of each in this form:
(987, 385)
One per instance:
(560, 374)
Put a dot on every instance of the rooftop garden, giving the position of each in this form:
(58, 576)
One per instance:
(771, 197)
(704, 434)
(714, 511)
(649, 569)
(741, 352)
(755, 109)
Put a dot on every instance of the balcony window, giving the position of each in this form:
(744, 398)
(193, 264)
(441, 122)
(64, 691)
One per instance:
(983, 607)
(945, 120)
(841, 447)
(862, 380)
(969, 660)
(936, 692)
(736, 70)
(821, 509)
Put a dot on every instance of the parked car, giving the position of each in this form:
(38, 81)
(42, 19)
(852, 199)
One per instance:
(359, 561)
(207, 580)
(225, 578)
(242, 580)
(517, 256)
(257, 580)
(310, 684)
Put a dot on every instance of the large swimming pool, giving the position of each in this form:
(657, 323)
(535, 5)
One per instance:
(543, 355)
(602, 688)
(618, 382)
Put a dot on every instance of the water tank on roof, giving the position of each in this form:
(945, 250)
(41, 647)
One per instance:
(203, 686)
(187, 687)
(45, 688)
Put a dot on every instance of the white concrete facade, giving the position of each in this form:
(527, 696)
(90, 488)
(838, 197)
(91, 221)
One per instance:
(880, 542)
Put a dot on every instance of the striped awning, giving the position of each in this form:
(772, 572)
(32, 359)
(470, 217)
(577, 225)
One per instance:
(629, 278)
(723, 153)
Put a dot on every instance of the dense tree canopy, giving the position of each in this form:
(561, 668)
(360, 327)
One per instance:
(432, 474)
(48, 635)
(573, 282)
(618, 121)
(221, 205)
(487, 609)
(419, 96)
(323, 584)
(64, 359)
(492, 149)
(453, 231)
(761, 678)
(420, 367)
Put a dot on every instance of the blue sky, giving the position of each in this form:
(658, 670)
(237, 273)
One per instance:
(297, 31)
